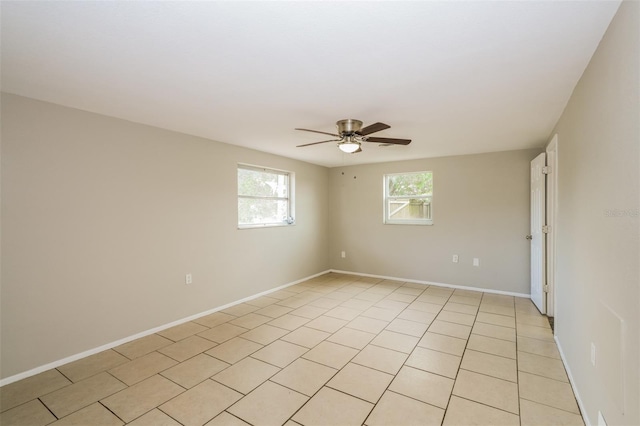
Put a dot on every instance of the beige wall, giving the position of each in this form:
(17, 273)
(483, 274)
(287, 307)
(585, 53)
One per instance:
(598, 286)
(102, 218)
(480, 209)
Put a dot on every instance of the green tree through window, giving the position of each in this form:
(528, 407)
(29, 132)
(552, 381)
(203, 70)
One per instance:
(409, 184)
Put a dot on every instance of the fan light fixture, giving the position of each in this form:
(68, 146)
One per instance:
(349, 145)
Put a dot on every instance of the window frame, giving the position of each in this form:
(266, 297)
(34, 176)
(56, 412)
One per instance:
(386, 198)
(289, 221)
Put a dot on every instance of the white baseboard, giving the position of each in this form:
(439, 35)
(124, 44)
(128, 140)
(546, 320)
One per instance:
(127, 339)
(461, 287)
(583, 412)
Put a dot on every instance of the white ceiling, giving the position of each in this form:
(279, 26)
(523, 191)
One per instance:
(456, 77)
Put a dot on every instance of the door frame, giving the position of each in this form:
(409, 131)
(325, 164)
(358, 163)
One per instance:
(538, 236)
(552, 214)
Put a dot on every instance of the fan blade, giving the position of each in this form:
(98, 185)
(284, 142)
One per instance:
(357, 151)
(372, 128)
(390, 141)
(318, 131)
(316, 143)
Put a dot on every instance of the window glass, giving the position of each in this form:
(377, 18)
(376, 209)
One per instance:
(408, 198)
(264, 197)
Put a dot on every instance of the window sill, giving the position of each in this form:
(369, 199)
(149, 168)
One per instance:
(430, 223)
(260, 226)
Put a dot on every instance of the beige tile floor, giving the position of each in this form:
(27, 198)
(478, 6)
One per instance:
(335, 350)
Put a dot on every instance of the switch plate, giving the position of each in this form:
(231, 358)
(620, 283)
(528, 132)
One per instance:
(188, 279)
(455, 258)
(476, 261)
(344, 254)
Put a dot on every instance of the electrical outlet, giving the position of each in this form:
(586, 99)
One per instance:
(344, 254)
(476, 261)
(455, 258)
(188, 279)
(593, 354)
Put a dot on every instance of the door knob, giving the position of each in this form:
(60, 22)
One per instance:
(529, 237)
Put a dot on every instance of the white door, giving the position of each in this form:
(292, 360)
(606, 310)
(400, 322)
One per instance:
(537, 237)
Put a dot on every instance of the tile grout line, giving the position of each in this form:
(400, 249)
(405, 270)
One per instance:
(79, 381)
(518, 368)
(321, 387)
(351, 360)
(231, 414)
(466, 344)
(403, 363)
(45, 406)
(280, 369)
(109, 410)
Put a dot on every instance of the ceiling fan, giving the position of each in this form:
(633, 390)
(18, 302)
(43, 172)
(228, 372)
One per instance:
(351, 134)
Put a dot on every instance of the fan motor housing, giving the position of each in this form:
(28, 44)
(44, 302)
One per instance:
(348, 126)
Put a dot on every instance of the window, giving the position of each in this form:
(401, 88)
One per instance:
(408, 198)
(264, 197)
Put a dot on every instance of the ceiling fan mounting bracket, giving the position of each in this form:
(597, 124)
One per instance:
(348, 126)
